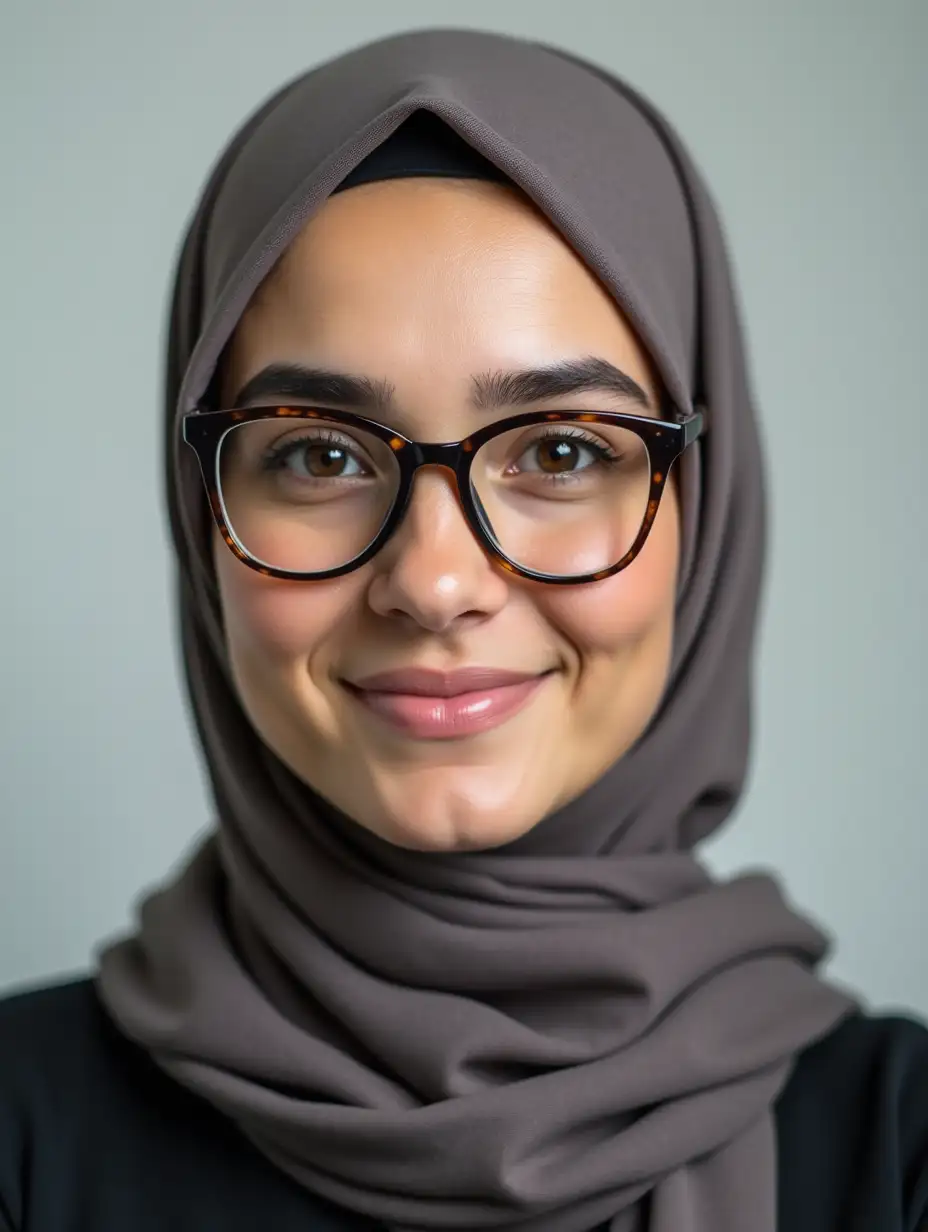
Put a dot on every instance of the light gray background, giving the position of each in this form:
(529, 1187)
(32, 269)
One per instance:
(808, 118)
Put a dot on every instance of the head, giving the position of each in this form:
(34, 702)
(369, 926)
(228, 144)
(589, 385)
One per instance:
(429, 286)
(587, 275)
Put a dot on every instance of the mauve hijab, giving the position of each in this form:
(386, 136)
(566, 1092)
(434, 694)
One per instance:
(583, 1027)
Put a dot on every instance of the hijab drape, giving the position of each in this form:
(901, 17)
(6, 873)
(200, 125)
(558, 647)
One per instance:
(583, 1027)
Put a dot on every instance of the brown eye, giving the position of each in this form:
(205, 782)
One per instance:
(562, 453)
(557, 456)
(326, 461)
(314, 458)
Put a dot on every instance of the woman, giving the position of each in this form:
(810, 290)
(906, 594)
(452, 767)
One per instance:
(466, 495)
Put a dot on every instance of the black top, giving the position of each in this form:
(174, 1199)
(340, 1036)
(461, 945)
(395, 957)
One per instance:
(95, 1138)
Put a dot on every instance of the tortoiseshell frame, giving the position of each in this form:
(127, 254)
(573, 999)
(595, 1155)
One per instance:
(665, 439)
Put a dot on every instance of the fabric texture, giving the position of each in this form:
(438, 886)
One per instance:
(580, 1027)
(95, 1138)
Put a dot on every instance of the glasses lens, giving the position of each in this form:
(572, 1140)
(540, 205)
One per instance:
(305, 495)
(563, 498)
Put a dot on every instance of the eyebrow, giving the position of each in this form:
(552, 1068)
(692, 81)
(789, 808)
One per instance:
(490, 391)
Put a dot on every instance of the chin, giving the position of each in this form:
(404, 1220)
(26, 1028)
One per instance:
(442, 813)
(422, 836)
(476, 839)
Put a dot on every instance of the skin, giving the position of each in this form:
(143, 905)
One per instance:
(427, 283)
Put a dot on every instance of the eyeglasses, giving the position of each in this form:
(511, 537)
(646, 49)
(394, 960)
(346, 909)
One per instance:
(555, 496)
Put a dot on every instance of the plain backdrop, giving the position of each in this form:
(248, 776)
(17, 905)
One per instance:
(808, 118)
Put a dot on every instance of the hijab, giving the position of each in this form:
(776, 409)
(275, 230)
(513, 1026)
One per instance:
(582, 1028)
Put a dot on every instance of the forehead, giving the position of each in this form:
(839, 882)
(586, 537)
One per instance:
(388, 272)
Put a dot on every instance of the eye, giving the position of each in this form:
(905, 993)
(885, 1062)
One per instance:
(315, 457)
(562, 453)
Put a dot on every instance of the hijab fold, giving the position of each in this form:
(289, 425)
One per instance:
(582, 1028)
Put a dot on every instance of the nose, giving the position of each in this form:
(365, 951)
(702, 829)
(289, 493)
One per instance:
(433, 572)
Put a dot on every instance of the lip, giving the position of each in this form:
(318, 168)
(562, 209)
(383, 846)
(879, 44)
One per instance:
(426, 682)
(434, 705)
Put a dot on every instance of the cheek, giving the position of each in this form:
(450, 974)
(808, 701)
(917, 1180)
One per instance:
(632, 611)
(280, 622)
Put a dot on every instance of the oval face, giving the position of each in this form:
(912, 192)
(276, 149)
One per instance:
(436, 698)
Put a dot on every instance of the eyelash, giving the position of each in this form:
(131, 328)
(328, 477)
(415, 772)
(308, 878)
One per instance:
(277, 453)
(603, 451)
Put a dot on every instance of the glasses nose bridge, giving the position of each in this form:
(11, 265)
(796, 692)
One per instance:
(446, 456)
(452, 457)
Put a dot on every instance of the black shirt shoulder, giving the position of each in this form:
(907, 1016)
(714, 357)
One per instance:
(95, 1138)
(852, 1130)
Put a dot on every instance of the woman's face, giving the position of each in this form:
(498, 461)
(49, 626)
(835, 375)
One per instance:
(425, 285)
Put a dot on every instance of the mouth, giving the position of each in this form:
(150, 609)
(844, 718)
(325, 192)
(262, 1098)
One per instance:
(430, 705)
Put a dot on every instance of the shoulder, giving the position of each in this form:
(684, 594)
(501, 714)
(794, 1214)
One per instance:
(54, 1041)
(43, 1033)
(879, 1055)
(88, 1122)
(46, 1035)
(73, 1093)
(30, 1017)
(852, 1125)
(52, 1058)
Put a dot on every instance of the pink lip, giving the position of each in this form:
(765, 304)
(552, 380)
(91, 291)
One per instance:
(431, 705)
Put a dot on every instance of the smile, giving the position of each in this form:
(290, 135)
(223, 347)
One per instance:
(429, 705)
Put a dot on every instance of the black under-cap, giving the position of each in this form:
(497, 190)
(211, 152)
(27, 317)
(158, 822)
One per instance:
(423, 145)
